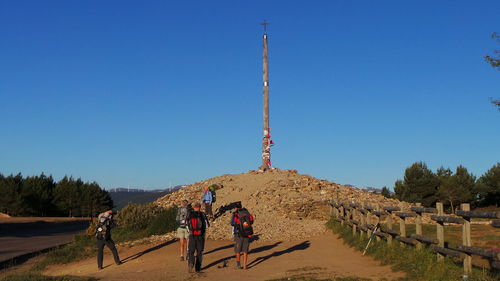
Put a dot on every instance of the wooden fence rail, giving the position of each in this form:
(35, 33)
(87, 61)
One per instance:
(363, 218)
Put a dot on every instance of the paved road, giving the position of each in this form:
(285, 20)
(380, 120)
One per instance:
(18, 239)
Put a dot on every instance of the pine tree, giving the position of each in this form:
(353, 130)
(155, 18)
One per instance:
(37, 192)
(94, 200)
(11, 201)
(488, 187)
(419, 185)
(67, 196)
(385, 192)
(400, 190)
(456, 188)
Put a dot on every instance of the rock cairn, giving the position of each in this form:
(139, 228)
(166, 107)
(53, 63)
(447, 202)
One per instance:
(286, 205)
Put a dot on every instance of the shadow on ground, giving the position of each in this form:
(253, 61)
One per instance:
(140, 254)
(219, 249)
(301, 246)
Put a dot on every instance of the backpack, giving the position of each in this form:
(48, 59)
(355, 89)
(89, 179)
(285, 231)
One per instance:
(212, 190)
(103, 228)
(244, 221)
(196, 224)
(183, 216)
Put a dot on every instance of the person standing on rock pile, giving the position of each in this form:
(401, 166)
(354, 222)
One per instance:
(197, 226)
(105, 222)
(207, 200)
(242, 222)
(182, 231)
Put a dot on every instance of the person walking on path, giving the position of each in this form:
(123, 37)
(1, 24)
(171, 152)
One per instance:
(182, 231)
(197, 226)
(207, 200)
(242, 222)
(105, 223)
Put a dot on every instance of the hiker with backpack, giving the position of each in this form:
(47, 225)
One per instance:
(207, 199)
(197, 226)
(242, 222)
(105, 223)
(182, 231)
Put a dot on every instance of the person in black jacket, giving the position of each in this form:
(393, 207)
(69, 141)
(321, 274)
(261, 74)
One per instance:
(197, 226)
(105, 223)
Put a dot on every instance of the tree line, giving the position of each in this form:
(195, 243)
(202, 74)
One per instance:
(420, 184)
(42, 196)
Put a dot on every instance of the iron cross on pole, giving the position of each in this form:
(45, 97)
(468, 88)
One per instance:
(265, 24)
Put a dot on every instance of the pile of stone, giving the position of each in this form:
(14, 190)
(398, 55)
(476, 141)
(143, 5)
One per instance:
(286, 205)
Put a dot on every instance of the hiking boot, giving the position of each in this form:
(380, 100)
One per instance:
(100, 267)
(119, 263)
(190, 268)
(182, 258)
(238, 265)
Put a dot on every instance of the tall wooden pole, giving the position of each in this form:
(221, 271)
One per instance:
(266, 140)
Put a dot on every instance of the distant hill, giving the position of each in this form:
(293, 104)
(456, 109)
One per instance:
(123, 196)
(372, 189)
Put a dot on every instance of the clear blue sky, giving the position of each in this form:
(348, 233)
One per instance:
(148, 93)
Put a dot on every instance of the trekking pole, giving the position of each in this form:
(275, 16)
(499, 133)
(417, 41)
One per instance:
(371, 237)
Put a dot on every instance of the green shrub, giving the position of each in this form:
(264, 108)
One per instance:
(163, 222)
(122, 234)
(139, 221)
(137, 217)
(91, 229)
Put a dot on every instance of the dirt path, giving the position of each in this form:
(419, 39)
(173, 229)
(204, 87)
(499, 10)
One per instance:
(321, 256)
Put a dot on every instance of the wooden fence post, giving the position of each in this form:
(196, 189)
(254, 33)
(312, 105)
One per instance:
(402, 228)
(362, 221)
(368, 220)
(379, 221)
(440, 230)
(331, 211)
(389, 225)
(418, 225)
(342, 214)
(466, 239)
(353, 217)
(337, 210)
